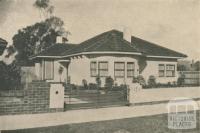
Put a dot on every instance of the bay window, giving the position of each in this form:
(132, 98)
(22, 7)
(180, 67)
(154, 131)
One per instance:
(93, 69)
(103, 69)
(170, 70)
(130, 69)
(119, 68)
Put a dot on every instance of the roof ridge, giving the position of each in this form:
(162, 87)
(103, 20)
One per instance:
(103, 33)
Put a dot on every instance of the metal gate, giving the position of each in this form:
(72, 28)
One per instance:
(80, 99)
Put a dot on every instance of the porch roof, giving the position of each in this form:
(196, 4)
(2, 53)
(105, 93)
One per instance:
(55, 50)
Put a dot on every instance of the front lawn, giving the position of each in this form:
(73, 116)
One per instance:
(148, 124)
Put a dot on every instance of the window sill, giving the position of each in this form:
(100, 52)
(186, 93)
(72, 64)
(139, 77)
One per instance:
(166, 76)
(120, 77)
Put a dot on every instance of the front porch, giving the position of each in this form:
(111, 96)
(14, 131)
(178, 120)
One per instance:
(52, 70)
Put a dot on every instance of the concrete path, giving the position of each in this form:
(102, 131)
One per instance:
(78, 116)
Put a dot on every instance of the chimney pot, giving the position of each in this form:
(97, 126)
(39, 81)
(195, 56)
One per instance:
(59, 39)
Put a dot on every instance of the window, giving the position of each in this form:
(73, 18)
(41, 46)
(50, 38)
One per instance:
(130, 69)
(167, 70)
(103, 69)
(161, 70)
(48, 70)
(119, 69)
(170, 70)
(93, 69)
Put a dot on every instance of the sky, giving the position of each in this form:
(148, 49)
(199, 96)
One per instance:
(174, 24)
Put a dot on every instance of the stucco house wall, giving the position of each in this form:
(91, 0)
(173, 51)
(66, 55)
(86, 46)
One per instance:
(79, 68)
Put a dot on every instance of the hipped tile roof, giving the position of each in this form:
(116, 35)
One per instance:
(111, 41)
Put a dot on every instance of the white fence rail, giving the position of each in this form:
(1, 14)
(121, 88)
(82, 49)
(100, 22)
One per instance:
(165, 94)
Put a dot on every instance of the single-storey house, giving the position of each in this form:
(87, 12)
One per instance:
(112, 53)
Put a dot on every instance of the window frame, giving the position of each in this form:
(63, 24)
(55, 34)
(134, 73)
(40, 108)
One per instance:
(119, 70)
(173, 71)
(161, 70)
(93, 69)
(102, 69)
(52, 70)
(128, 70)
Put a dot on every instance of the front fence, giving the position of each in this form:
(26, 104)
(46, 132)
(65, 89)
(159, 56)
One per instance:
(191, 77)
(79, 99)
(34, 99)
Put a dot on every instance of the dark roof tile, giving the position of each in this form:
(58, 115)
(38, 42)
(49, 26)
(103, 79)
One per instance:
(57, 49)
(151, 49)
(111, 41)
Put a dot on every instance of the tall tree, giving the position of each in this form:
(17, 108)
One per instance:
(35, 38)
(45, 8)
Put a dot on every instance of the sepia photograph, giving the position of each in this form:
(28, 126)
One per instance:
(99, 66)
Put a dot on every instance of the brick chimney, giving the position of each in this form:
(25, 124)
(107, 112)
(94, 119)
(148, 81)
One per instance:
(61, 39)
(127, 34)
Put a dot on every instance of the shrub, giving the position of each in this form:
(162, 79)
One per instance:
(109, 82)
(84, 83)
(98, 81)
(181, 80)
(152, 81)
(141, 80)
(10, 76)
(135, 79)
(93, 86)
(73, 87)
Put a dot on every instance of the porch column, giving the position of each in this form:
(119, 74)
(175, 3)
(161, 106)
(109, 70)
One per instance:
(37, 70)
(65, 63)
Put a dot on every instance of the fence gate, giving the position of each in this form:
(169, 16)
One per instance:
(80, 99)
